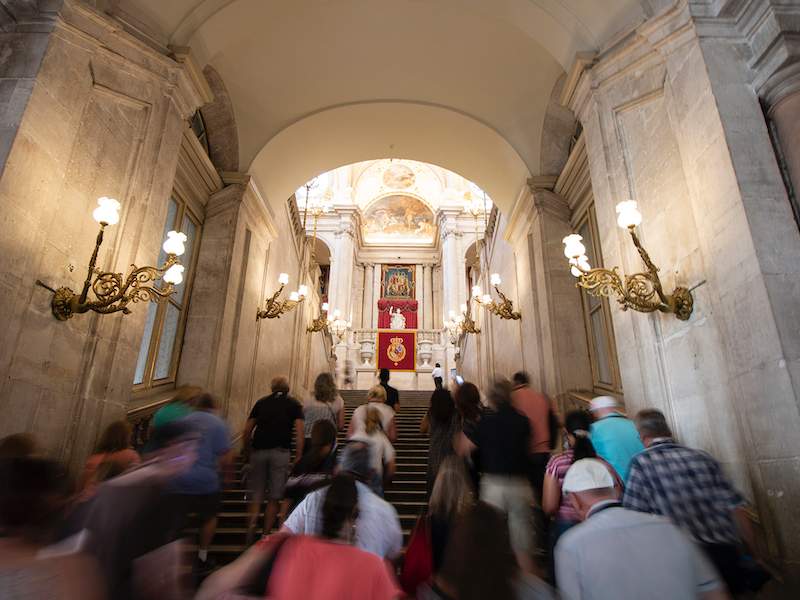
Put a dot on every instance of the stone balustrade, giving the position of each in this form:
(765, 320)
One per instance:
(365, 340)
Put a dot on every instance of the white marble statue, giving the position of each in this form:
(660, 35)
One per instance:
(398, 320)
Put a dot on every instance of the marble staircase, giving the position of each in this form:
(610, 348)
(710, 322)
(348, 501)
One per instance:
(406, 492)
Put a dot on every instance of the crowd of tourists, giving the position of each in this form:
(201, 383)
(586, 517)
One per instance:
(524, 503)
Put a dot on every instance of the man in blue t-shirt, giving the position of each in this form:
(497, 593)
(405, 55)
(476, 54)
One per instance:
(199, 490)
(614, 437)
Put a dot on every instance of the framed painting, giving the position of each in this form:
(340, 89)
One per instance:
(397, 282)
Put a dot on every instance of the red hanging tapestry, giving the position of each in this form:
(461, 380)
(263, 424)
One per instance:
(397, 350)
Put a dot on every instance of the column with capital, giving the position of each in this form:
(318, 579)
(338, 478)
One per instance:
(427, 298)
(419, 282)
(357, 294)
(342, 269)
(452, 263)
(367, 296)
(377, 271)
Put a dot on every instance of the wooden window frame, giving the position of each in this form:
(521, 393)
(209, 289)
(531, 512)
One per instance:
(587, 216)
(148, 383)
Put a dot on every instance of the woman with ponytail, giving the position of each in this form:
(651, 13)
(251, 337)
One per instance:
(330, 566)
(554, 503)
(381, 450)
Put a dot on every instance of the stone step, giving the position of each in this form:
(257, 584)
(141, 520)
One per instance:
(407, 492)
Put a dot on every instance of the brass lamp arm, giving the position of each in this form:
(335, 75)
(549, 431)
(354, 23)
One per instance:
(505, 308)
(318, 324)
(651, 268)
(274, 308)
(271, 305)
(640, 291)
(92, 263)
(113, 294)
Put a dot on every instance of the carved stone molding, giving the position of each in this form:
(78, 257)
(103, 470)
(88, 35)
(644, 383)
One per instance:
(193, 89)
(449, 232)
(345, 230)
(546, 201)
(542, 182)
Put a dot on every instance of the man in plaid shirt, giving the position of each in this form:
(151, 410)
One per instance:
(688, 487)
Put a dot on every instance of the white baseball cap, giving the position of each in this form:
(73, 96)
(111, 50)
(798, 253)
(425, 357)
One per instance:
(587, 474)
(601, 402)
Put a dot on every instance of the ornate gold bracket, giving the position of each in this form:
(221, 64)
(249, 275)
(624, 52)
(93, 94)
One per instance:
(113, 291)
(641, 292)
(503, 309)
(322, 322)
(274, 308)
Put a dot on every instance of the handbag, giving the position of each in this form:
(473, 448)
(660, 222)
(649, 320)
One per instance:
(418, 563)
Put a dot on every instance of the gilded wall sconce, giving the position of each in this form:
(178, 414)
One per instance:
(467, 323)
(274, 307)
(321, 322)
(114, 292)
(453, 328)
(504, 308)
(458, 325)
(338, 326)
(641, 291)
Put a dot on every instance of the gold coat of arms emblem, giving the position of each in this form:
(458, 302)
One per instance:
(396, 350)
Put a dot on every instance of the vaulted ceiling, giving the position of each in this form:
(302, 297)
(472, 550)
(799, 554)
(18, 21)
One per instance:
(492, 64)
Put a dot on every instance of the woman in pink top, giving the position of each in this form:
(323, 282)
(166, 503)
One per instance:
(554, 503)
(114, 447)
(328, 567)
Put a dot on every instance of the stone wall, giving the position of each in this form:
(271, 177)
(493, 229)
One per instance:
(107, 116)
(26, 29)
(104, 118)
(672, 121)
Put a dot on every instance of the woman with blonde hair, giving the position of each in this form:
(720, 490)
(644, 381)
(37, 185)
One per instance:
(381, 449)
(324, 405)
(376, 399)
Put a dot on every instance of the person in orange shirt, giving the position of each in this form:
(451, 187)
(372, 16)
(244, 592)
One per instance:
(536, 407)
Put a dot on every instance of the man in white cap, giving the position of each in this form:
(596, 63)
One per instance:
(614, 437)
(620, 554)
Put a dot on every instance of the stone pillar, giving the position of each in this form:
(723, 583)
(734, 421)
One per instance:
(213, 298)
(220, 344)
(438, 302)
(786, 116)
(548, 299)
(342, 269)
(27, 27)
(452, 263)
(376, 293)
(427, 276)
(419, 288)
(357, 293)
(367, 290)
(333, 281)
